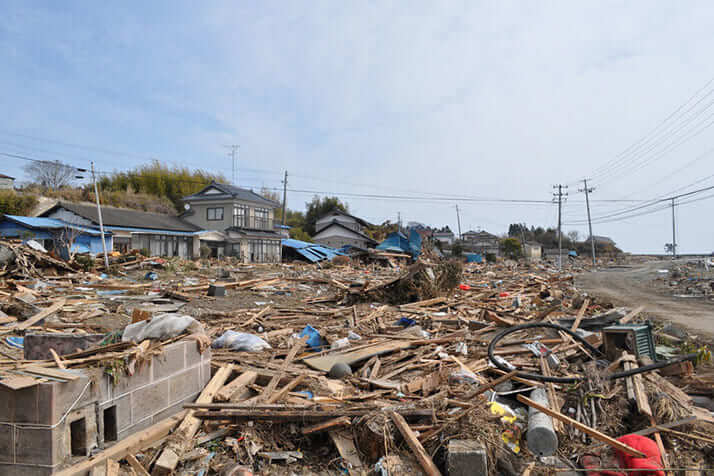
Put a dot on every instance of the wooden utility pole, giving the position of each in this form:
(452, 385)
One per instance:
(458, 220)
(674, 237)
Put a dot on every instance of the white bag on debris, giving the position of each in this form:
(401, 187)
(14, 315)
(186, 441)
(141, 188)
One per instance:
(240, 341)
(162, 326)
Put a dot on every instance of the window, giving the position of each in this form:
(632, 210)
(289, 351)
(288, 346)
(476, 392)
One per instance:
(262, 218)
(214, 214)
(239, 216)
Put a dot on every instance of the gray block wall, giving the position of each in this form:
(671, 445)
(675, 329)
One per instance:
(156, 391)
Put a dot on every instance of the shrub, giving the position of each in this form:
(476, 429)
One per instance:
(13, 203)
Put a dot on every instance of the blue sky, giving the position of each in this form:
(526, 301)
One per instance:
(477, 99)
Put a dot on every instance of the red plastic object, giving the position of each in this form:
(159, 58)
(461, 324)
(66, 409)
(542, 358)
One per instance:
(503, 294)
(653, 461)
(464, 287)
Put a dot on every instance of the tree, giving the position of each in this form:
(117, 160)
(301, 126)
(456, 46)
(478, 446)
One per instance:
(457, 249)
(511, 247)
(319, 207)
(52, 175)
(573, 235)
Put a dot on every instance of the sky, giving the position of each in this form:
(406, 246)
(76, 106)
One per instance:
(484, 105)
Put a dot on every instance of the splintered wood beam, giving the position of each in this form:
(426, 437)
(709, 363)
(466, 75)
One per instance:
(584, 428)
(580, 315)
(136, 466)
(287, 388)
(421, 455)
(327, 425)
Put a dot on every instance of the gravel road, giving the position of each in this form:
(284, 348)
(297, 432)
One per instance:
(632, 286)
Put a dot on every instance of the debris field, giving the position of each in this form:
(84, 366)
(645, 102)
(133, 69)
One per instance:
(378, 366)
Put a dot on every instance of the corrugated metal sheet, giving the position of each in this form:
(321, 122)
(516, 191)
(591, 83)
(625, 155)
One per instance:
(311, 251)
(50, 224)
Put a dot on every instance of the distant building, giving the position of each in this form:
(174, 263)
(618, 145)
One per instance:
(240, 221)
(160, 234)
(482, 242)
(337, 229)
(446, 237)
(7, 182)
(533, 251)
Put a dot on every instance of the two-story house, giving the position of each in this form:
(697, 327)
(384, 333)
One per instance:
(337, 229)
(445, 236)
(481, 241)
(240, 222)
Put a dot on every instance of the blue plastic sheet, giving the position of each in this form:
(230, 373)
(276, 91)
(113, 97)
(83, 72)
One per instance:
(314, 341)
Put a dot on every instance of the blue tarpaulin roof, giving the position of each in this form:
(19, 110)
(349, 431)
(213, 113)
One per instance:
(399, 243)
(50, 224)
(313, 252)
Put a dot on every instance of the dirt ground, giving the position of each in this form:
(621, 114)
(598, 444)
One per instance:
(633, 286)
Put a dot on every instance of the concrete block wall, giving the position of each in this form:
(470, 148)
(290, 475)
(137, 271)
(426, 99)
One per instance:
(157, 390)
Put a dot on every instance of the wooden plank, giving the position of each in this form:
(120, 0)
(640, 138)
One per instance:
(488, 386)
(584, 428)
(136, 466)
(327, 425)
(183, 436)
(19, 382)
(236, 385)
(287, 388)
(57, 359)
(50, 372)
(580, 315)
(325, 362)
(273, 384)
(421, 455)
(135, 442)
(47, 312)
(112, 468)
(346, 447)
(631, 315)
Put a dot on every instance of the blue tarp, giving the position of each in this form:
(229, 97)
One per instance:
(399, 243)
(573, 253)
(313, 252)
(474, 258)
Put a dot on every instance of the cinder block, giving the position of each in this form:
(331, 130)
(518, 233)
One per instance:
(7, 408)
(138, 426)
(183, 384)
(20, 470)
(149, 400)
(172, 360)
(74, 394)
(173, 409)
(26, 405)
(7, 446)
(37, 346)
(127, 383)
(466, 457)
(205, 373)
(123, 405)
(37, 446)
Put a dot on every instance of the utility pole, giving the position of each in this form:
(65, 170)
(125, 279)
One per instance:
(285, 194)
(674, 238)
(232, 154)
(399, 221)
(458, 220)
(590, 223)
(101, 223)
(559, 195)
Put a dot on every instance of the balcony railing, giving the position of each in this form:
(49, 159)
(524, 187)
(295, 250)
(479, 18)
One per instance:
(253, 223)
